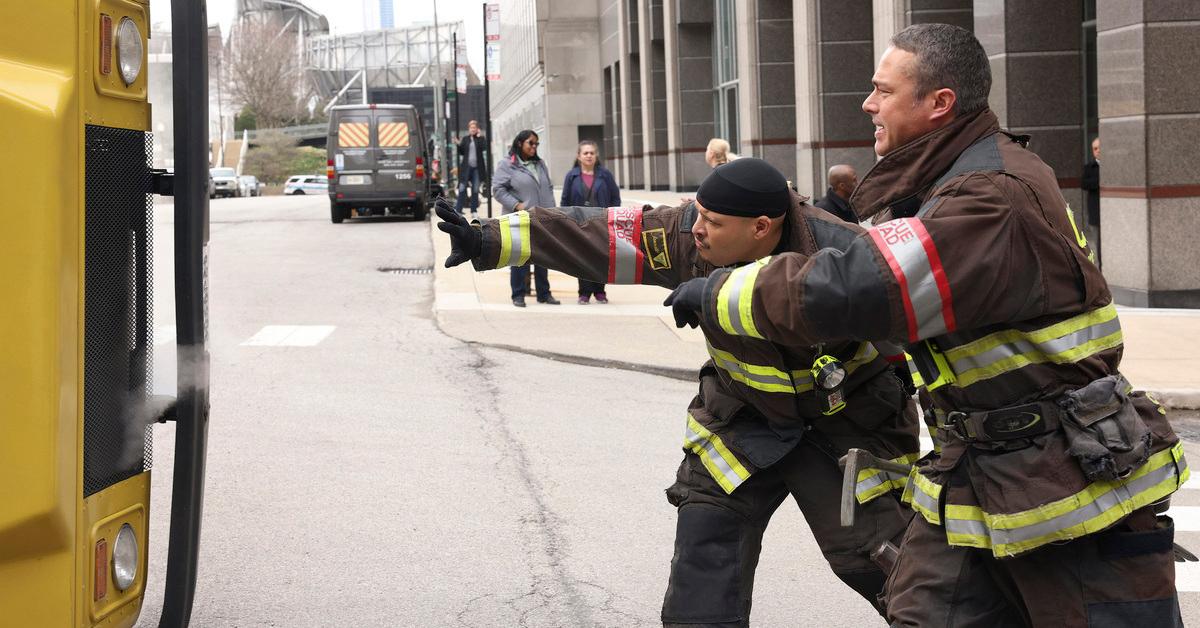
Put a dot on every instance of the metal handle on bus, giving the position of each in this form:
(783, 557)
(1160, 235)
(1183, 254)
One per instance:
(189, 45)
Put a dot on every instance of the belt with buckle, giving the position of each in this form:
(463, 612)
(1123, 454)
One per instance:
(1004, 424)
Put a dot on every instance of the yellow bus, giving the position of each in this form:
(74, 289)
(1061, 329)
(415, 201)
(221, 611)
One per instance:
(76, 412)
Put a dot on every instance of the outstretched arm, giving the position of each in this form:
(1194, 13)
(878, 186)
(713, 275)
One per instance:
(609, 245)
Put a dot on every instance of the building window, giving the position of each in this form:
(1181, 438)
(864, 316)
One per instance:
(725, 78)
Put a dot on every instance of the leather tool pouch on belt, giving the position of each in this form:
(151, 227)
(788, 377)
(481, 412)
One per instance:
(1103, 429)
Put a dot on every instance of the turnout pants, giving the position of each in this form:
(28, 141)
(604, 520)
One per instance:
(719, 536)
(1123, 576)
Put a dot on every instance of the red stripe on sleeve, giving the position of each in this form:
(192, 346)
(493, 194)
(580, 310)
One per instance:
(909, 314)
(612, 246)
(640, 257)
(939, 273)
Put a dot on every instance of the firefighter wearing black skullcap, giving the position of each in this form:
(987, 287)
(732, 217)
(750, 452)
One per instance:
(770, 419)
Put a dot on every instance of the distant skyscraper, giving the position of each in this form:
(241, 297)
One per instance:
(387, 17)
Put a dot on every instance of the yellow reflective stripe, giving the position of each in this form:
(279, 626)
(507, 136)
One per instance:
(515, 246)
(1080, 239)
(735, 300)
(872, 483)
(714, 455)
(1096, 507)
(865, 354)
(965, 526)
(771, 379)
(923, 494)
(764, 378)
(526, 242)
(917, 380)
(1020, 348)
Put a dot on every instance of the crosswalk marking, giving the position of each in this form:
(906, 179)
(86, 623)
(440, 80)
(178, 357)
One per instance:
(289, 336)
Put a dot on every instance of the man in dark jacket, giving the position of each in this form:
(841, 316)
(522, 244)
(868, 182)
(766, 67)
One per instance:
(1091, 188)
(762, 427)
(842, 181)
(472, 166)
(1040, 508)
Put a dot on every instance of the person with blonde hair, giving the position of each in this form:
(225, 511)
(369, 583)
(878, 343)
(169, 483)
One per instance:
(718, 152)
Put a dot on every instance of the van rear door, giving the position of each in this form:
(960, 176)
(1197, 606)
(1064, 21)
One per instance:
(354, 157)
(398, 141)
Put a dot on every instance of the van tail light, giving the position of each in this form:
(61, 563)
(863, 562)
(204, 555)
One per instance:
(329, 169)
(420, 168)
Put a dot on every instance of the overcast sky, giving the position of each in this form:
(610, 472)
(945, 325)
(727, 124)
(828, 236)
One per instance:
(346, 16)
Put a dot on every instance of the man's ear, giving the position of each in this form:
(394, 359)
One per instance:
(944, 100)
(762, 227)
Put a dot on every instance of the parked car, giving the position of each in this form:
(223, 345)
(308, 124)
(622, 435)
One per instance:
(306, 184)
(225, 183)
(250, 185)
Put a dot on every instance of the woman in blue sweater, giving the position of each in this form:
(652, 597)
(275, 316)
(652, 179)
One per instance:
(590, 184)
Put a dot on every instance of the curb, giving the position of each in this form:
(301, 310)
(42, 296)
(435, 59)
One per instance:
(1178, 398)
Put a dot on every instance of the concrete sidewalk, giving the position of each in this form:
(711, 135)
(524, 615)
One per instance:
(635, 331)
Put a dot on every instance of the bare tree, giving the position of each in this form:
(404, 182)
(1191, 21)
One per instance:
(263, 73)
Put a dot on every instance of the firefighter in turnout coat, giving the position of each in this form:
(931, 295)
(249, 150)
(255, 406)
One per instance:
(1040, 508)
(758, 430)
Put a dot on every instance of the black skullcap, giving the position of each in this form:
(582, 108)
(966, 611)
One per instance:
(745, 187)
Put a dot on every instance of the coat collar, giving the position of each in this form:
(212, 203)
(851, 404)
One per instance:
(907, 172)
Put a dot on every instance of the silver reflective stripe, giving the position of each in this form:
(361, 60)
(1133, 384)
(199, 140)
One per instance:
(967, 526)
(929, 502)
(1046, 348)
(624, 231)
(514, 230)
(737, 279)
(869, 483)
(883, 477)
(1102, 503)
(902, 243)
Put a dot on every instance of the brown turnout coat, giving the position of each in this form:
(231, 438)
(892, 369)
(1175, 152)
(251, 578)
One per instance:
(974, 260)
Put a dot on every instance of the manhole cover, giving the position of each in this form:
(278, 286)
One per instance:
(408, 271)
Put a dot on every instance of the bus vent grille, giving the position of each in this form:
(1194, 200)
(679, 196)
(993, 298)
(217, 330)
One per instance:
(118, 216)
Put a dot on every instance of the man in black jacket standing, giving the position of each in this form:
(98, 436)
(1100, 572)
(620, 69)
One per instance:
(842, 181)
(472, 166)
(1091, 188)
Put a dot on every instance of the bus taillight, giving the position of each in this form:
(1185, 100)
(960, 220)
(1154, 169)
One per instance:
(101, 570)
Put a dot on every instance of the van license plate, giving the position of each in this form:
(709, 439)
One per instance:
(353, 179)
(403, 175)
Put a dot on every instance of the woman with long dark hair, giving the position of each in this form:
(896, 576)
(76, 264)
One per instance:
(590, 184)
(522, 181)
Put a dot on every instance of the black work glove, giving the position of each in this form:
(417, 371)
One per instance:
(687, 302)
(466, 241)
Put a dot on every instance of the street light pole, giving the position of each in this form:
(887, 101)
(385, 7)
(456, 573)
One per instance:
(437, 68)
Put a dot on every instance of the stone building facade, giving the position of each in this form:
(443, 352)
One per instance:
(784, 80)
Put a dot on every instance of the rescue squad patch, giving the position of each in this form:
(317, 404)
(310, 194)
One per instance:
(654, 242)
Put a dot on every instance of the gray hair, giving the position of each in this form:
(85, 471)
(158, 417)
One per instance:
(948, 57)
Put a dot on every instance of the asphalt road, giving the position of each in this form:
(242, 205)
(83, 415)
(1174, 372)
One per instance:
(365, 469)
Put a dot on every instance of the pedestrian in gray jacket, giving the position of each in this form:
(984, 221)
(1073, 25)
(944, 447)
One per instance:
(521, 181)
